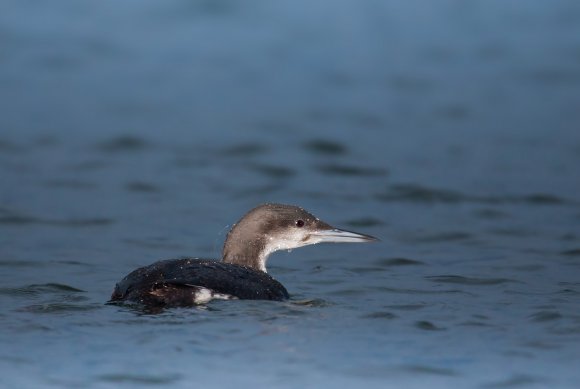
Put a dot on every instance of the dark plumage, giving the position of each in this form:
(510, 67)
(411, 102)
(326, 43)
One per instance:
(242, 272)
(176, 282)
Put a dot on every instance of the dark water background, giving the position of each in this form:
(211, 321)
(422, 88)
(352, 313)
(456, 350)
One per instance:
(140, 130)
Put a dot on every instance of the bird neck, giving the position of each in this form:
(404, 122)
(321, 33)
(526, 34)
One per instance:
(250, 253)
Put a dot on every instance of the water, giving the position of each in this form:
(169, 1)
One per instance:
(140, 131)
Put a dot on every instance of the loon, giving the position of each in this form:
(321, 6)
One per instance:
(241, 274)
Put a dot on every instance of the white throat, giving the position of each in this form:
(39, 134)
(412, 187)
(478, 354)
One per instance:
(274, 244)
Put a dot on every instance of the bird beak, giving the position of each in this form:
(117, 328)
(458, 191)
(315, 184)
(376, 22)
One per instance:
(341, 236)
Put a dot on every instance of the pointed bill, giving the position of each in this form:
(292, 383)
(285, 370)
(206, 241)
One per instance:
(341, 236)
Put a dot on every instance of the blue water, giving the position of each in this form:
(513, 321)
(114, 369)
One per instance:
(138, 131)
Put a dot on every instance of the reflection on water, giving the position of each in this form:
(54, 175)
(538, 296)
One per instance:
(454, 142)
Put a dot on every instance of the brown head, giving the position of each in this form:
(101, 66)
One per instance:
(272, 227)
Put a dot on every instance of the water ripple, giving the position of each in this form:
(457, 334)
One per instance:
(60, 308)
(21, 263)
(516, 381)
(387, 262)
(142, 187)
(419, 291)
(70, 184)
(351, 170)
(312, 303)
(123, 144)
(273, 171)
(245, 150)
(543, 316)
(143, 379)
(415, 370)
(39, 289)
(455, 279)
(407, 307)
(9, 147)
(571, 253)
(325, 147)
(22, 219)
(364, 222)
(447, 236)
(427, 326)
(429, 370)
(379, 315)
(423, 194)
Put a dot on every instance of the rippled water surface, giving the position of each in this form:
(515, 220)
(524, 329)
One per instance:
(140, 131)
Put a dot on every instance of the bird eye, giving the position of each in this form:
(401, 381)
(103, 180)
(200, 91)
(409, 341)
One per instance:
(299, 223)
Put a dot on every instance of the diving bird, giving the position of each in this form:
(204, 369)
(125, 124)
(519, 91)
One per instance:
(241, 273)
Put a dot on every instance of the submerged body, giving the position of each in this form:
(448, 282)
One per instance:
(242, 272)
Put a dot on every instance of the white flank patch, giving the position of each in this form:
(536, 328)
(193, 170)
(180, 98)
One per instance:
(223, 296)
(205, 295)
